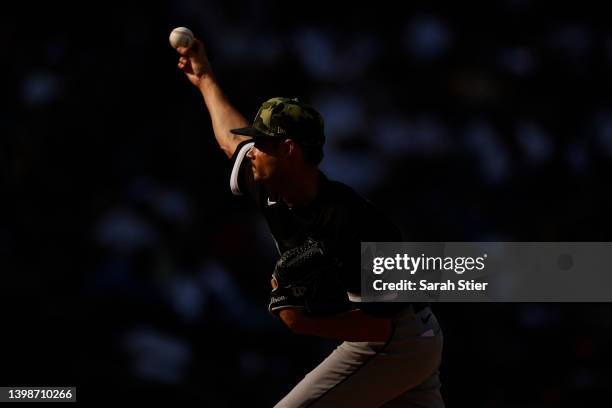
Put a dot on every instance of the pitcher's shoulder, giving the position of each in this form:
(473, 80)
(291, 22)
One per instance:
(359, 211)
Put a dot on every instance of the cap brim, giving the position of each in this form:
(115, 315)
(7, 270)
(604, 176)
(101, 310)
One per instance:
(250, 131)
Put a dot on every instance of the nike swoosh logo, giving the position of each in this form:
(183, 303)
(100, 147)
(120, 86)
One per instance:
(426, 319)
(271, 202)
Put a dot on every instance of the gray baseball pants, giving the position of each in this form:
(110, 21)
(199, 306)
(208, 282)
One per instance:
(403, 372)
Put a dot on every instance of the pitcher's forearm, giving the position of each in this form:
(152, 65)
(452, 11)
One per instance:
(223, 115)
(353, 325)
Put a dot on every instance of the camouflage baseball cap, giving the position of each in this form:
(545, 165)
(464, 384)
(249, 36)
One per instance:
(287, 118)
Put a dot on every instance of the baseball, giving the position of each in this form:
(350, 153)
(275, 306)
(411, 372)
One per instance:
(181, 37)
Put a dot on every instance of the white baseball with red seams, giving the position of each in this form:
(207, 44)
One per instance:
(181, 37)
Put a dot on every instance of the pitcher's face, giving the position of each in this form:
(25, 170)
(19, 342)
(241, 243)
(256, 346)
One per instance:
(267, 157)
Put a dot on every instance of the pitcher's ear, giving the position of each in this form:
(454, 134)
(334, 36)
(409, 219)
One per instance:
(289, 146)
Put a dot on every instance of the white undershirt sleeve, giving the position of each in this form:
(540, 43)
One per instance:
(234, 185)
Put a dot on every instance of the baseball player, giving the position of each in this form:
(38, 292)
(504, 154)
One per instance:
(390, 352)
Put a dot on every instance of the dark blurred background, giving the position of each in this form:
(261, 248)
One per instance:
(129, 269)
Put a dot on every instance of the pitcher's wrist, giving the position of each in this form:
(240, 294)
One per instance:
(206, 81)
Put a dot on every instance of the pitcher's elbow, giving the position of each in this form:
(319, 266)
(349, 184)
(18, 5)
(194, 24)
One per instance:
(295, 320)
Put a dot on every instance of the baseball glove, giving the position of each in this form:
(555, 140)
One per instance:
(296, 272)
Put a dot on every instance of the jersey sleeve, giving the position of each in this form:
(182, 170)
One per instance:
(241, 179)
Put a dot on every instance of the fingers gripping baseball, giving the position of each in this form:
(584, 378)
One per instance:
(193, 61)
